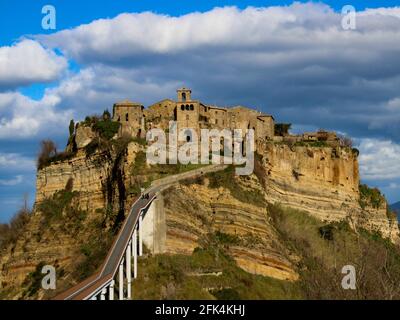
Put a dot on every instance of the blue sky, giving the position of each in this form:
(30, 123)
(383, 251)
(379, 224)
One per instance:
(291, 60)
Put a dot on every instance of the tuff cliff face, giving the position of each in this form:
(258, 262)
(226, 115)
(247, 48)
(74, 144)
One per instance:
(68, 228)
(100, 179)
(323, 181)
(195, 211)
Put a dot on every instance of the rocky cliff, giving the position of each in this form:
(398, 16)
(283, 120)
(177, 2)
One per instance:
(323, 181)
(195, 212)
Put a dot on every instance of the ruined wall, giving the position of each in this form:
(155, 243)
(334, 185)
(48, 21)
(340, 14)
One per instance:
(130, 115)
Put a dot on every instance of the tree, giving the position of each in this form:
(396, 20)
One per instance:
(48, 150)
(282, 129)
(345, 141)
(71, 127)
(106, 115)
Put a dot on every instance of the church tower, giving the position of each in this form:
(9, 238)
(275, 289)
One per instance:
(184, 94)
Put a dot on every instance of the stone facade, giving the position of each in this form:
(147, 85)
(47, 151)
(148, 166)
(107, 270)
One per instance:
(190, 113)
(131, 117)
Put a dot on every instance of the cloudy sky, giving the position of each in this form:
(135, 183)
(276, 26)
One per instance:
(292, 60)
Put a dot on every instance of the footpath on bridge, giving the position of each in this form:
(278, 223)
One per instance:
(106, 273)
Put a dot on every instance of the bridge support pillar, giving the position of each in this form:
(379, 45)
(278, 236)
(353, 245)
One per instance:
(128, 270)
(103, 294)
(121, 280)
(134, 253)
(111, 290)
(141, 234)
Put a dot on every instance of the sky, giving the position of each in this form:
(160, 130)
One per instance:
(290, 59)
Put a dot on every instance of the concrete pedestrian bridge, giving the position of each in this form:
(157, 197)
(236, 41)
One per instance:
(145, 223)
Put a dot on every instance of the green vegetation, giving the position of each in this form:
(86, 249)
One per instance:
(282, 129)
(71, 127)
(48, 154)
(143, 174)
(94, 252)
(311, 144)
(107, 129)
(209, 273)
(226, 180)
(370, 197)
(10, 232)
(325, 249)
(33, 281)
(60, 204)
(103, 125)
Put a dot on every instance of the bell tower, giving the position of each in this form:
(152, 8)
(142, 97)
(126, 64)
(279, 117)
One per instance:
(184, 94)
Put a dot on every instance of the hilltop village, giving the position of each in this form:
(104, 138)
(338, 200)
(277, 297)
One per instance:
(135, 120)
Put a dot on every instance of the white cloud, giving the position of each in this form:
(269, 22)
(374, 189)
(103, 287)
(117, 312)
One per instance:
(28, 62)
(288, 61)
(379, 159)
(15, 161)
(11, 182)
(22, 117)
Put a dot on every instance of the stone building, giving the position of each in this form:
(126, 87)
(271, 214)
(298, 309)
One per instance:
(130, 115)
(190, 113)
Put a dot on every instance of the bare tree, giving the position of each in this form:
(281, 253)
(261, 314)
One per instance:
(345, 141)
(47, 150)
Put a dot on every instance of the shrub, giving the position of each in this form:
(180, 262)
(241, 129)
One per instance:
(282, 129)
(60, 204)
(9, 233)
(345, 141)
(370, 196)
(227, 239)
(226, 178)
(326, 232)
(33, 281)
(107, 129)
(48, 150)
(48, 154)
(226, 294)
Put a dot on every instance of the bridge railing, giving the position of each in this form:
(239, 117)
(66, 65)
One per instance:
(127, 246)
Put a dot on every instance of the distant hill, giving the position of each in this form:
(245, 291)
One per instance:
(396, 207)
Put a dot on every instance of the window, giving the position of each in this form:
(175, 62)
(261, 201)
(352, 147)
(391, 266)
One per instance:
(187, 117)
(188, 134)
(183, 96)
(187, 107)
(182, 107)
(191, 107)
(127, 117)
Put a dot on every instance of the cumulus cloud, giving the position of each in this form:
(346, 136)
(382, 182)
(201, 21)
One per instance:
(22, 117)
(28, 62)
(379, 159)
(287, 61)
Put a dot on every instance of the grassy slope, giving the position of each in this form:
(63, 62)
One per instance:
(185, 277)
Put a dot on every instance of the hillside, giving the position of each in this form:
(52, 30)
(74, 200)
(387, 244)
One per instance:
(273, 234)
(396, 207)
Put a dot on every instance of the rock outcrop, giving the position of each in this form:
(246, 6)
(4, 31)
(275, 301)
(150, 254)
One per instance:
(323, 181)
